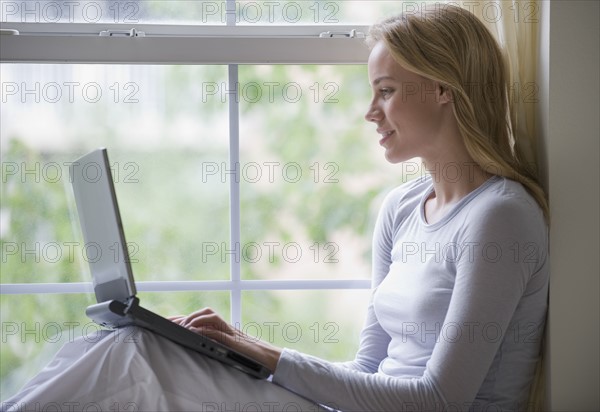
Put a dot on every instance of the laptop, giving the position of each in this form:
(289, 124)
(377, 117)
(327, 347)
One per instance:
(117, 305)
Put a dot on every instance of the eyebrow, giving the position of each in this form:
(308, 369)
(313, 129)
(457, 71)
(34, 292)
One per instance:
(380, 79)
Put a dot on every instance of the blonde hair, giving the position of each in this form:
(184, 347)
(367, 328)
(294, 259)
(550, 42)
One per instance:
(451, 46)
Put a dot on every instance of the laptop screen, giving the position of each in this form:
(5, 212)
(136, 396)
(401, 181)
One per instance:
(105, 246)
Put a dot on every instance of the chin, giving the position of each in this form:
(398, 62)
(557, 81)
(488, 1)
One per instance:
(392, 160)
(395, 158)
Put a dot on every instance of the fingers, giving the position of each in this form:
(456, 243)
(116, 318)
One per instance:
(204, 321)
(200, 317)
(183, 319)
(208, 321)
(198, 313)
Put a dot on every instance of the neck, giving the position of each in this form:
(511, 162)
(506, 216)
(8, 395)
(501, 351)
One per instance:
(454, 179)
(454, 172)
(451, 182)
(448, 185)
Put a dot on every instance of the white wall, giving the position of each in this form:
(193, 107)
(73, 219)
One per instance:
(570, 113)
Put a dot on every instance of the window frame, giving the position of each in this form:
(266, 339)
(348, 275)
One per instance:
(197, 45)
(172, 44)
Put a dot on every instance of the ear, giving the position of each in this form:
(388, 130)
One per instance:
(444, 94)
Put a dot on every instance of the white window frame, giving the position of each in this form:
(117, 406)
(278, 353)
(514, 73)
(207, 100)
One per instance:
(173, 44)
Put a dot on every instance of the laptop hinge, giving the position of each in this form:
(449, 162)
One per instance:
(131, 303)
(115, 289)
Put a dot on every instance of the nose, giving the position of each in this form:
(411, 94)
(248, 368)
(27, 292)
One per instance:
(374, 114)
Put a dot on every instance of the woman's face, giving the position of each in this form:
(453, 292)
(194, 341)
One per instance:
(406, 108)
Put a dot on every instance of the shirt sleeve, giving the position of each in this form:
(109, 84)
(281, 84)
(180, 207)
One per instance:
(490, 282)
(374, 340)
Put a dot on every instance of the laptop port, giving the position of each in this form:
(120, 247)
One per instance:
(243, 361)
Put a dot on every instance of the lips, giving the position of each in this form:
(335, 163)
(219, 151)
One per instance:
(385, 135)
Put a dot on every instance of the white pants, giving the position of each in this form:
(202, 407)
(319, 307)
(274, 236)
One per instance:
(137, 370)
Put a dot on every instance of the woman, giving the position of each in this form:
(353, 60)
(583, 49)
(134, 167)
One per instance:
(460, 272)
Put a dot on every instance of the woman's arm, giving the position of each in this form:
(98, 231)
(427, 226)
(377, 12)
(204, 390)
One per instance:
(208, 323)
(374, 340)
(488, 290)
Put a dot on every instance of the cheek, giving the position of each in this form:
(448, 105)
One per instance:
(415, 112)
(397, 112)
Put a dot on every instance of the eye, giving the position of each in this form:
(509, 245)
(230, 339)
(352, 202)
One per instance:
(385, 92)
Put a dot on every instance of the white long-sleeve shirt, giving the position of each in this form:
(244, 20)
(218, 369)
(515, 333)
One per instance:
(457, 310)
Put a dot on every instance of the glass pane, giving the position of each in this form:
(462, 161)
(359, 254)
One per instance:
(324, 323)
(199, 12)
(34, 327)
(160, 131)
(318, 12)
(311, 172)
(115, 11)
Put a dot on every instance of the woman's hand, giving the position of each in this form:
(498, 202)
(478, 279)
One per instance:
(208, 323)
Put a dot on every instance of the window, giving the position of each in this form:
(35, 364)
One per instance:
(198, 12)
(246, 176)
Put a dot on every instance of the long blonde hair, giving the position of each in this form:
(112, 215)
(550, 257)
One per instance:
(451, 46)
